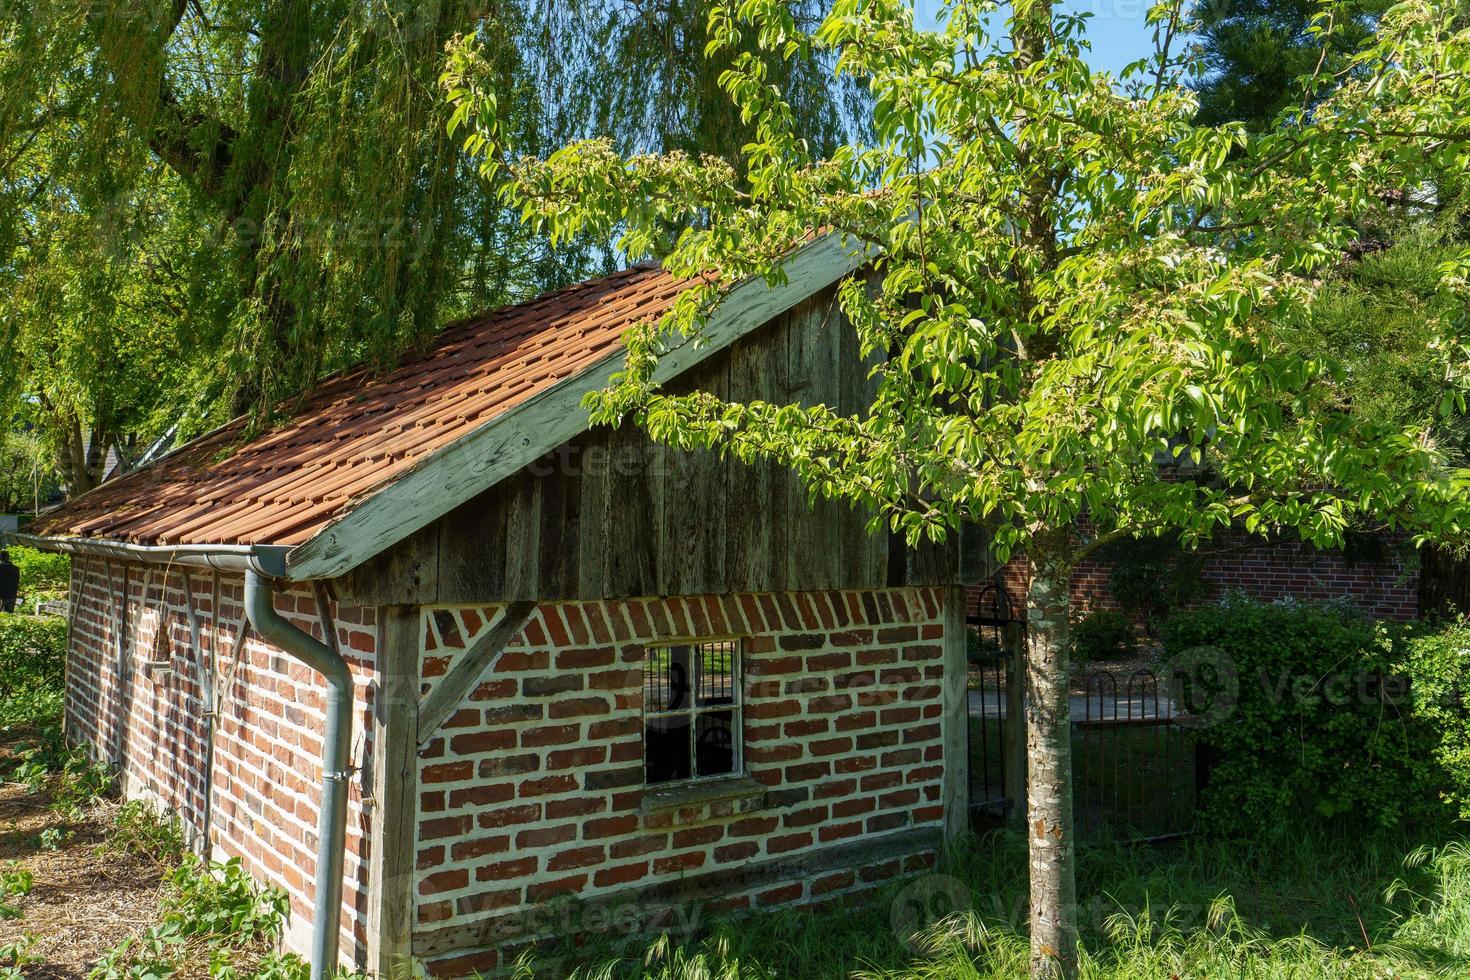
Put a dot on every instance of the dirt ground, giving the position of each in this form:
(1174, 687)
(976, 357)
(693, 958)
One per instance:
(87, 897)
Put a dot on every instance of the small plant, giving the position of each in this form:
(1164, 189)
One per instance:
(141, 829)
(52, 838)
(15, 882)
(211, 914)
(79, 784)
(15, 954)
(222, 903)
(1103, 636)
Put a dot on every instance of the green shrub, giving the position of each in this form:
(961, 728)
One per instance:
(212, 914)
(1319, 712)
(1103, 635)
(32, 666)
(41, 570)
(1438, 662)
(1151, 578)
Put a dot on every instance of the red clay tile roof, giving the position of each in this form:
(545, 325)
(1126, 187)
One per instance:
(357, 432)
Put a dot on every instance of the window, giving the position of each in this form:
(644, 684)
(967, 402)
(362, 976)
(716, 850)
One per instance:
(691, 711)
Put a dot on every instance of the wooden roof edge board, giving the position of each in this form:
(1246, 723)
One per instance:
(465, 468)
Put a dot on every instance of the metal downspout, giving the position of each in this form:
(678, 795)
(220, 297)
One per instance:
(332, 825)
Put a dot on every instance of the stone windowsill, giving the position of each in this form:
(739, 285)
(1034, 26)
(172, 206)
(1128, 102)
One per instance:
(741, 792)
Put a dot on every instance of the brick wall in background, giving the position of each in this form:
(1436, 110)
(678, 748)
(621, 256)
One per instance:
(1384, 583)
(534, 790)
(134, 693)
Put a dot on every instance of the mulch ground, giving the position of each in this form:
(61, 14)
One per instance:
(87, 898)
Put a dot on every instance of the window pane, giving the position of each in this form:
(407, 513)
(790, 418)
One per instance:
(716, 673)
(714, 747)
(666, 748)
(666, 679)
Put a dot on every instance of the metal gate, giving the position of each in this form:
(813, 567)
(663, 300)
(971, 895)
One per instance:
(1134, 764)
(1133, 757)
(997, 707)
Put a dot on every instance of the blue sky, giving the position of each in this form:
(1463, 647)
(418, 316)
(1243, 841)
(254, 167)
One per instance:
(1117, 29)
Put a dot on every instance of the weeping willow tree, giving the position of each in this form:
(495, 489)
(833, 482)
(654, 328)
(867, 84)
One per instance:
(228, 198)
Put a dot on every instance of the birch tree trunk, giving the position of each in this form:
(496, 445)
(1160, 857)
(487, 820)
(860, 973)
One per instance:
(1049, 772)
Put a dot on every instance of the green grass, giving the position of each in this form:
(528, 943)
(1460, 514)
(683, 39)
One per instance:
(1294, 908)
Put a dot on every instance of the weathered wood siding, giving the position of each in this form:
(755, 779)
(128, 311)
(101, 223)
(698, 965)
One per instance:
(612, 514)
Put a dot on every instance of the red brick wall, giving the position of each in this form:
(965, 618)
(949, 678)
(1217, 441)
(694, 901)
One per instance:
(534, 790)
(1386, 588)
(150, 721)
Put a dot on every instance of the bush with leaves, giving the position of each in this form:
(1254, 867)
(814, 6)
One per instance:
(1103, 635)
(1438, 661)
(1152, 577)
(41, 570)
(142, 829)
(1317, 712)
(32, 662)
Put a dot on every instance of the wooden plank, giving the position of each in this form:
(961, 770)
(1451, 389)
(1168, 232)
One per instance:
(955, 718)
(394, 781)
(449, 693)
(591, 544)
(694, 502)
(472, 549)
(632, 513)
(864, 554)
(758, 493)
(465, 468)
(559, 538)
(406, 574)
(814, 552)
(977, 565)
(522, 537)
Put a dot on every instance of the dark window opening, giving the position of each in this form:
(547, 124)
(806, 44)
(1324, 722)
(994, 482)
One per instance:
(691, 711)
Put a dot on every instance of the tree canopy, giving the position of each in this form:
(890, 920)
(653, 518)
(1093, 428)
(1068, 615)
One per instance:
(207, 204)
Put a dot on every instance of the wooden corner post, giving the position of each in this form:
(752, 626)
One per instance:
(955, 722)
(394, 818)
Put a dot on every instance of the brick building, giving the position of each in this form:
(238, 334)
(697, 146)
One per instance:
(1383, 579)
(514, 676)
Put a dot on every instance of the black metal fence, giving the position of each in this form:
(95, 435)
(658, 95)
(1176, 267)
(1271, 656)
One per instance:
(1133, 752)
(1133, 760)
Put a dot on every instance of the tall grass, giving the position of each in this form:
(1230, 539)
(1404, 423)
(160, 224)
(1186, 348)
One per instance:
(1310, 905)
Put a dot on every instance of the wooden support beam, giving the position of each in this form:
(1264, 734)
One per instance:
(955, 720)
(394, 787)
(451, 691)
